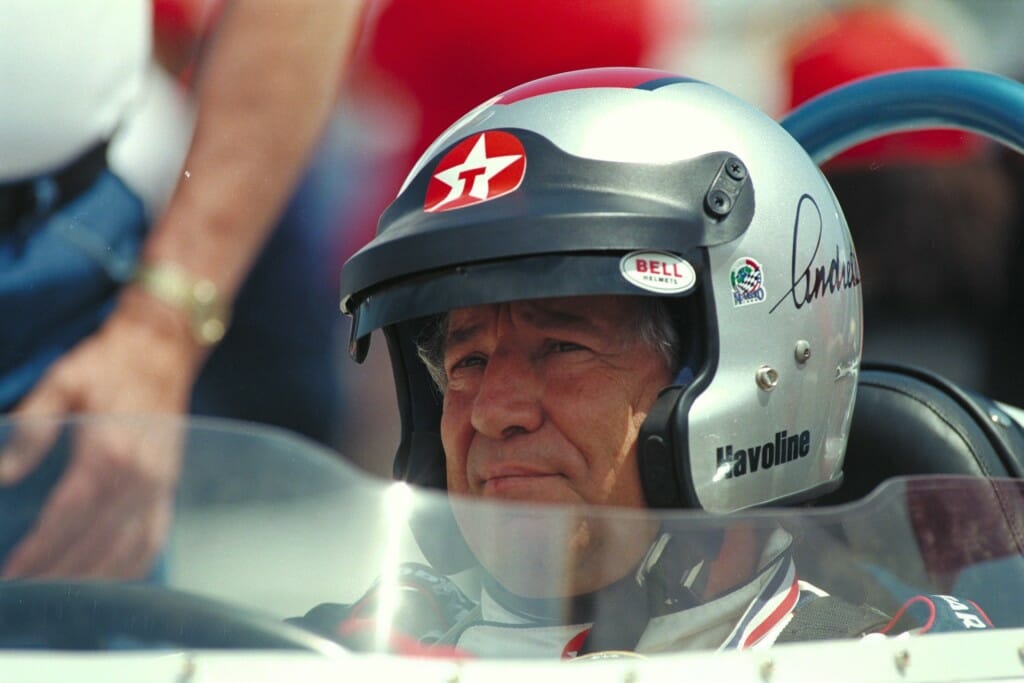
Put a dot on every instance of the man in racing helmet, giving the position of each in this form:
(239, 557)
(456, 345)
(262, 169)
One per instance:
(618, 287)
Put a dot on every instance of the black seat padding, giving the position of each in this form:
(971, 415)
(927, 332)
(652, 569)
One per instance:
(910, 421)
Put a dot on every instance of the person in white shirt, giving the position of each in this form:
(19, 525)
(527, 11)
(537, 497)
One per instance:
(112, 301)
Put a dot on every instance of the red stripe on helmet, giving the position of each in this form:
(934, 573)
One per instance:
(611, 77)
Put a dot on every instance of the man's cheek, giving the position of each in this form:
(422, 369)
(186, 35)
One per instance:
(454, 483)
(454, 460)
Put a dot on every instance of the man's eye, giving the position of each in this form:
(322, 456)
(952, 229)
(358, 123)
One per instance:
(470, 361)
(561, 346)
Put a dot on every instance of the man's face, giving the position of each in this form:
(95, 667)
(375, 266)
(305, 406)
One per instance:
(545, 400)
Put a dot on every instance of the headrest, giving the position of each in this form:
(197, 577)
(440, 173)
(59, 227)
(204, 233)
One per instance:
(910, 421)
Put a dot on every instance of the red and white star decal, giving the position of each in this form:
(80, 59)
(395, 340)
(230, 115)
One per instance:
(480, 168)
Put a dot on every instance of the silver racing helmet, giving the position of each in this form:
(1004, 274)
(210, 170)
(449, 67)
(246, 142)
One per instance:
(641, 182)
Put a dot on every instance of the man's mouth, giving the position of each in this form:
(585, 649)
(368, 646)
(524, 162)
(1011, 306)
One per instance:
(521, 485)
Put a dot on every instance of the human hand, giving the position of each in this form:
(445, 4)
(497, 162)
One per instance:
(109, 513)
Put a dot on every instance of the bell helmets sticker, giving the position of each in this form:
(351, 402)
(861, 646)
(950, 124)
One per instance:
(658, 271)
(747, 281)
(480, 168)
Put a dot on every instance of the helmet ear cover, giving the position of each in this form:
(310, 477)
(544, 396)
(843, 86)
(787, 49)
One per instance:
(660, 469)
(663, 456)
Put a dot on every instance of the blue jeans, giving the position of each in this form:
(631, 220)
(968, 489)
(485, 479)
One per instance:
(60, 270)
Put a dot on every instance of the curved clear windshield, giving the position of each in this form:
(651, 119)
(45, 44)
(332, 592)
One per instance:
(276, 542)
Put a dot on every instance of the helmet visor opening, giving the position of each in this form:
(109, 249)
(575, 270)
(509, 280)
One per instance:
(535, 277)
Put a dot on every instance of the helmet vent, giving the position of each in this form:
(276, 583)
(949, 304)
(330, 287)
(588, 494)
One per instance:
(726, 188)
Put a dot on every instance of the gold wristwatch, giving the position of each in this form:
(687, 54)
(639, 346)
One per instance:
(198, 297)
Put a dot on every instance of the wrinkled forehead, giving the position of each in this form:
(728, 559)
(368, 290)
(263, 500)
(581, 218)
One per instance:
(598, 314)
(563, 309)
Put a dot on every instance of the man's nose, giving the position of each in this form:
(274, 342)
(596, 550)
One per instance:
(509, 399)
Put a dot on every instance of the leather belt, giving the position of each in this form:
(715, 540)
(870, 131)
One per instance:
(19, 199)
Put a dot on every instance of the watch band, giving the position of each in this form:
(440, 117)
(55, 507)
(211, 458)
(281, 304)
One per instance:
(208, 314)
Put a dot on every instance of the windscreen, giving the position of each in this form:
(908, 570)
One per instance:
(271, 534)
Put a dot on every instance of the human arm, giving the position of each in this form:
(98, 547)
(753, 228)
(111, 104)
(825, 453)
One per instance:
(264, 92)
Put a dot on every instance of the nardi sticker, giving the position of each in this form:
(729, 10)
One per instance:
(658, 271)
(747, 281)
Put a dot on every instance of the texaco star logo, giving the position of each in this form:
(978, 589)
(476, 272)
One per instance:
(478, 169)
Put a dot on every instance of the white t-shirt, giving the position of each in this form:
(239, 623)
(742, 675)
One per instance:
(74, 73)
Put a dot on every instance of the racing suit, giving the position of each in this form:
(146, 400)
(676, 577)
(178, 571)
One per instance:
(656, 609)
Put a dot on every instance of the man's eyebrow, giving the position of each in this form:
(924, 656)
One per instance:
(461, 334)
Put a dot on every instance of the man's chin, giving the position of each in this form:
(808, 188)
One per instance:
(540, 551)
(531, 549)
(533, 488)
